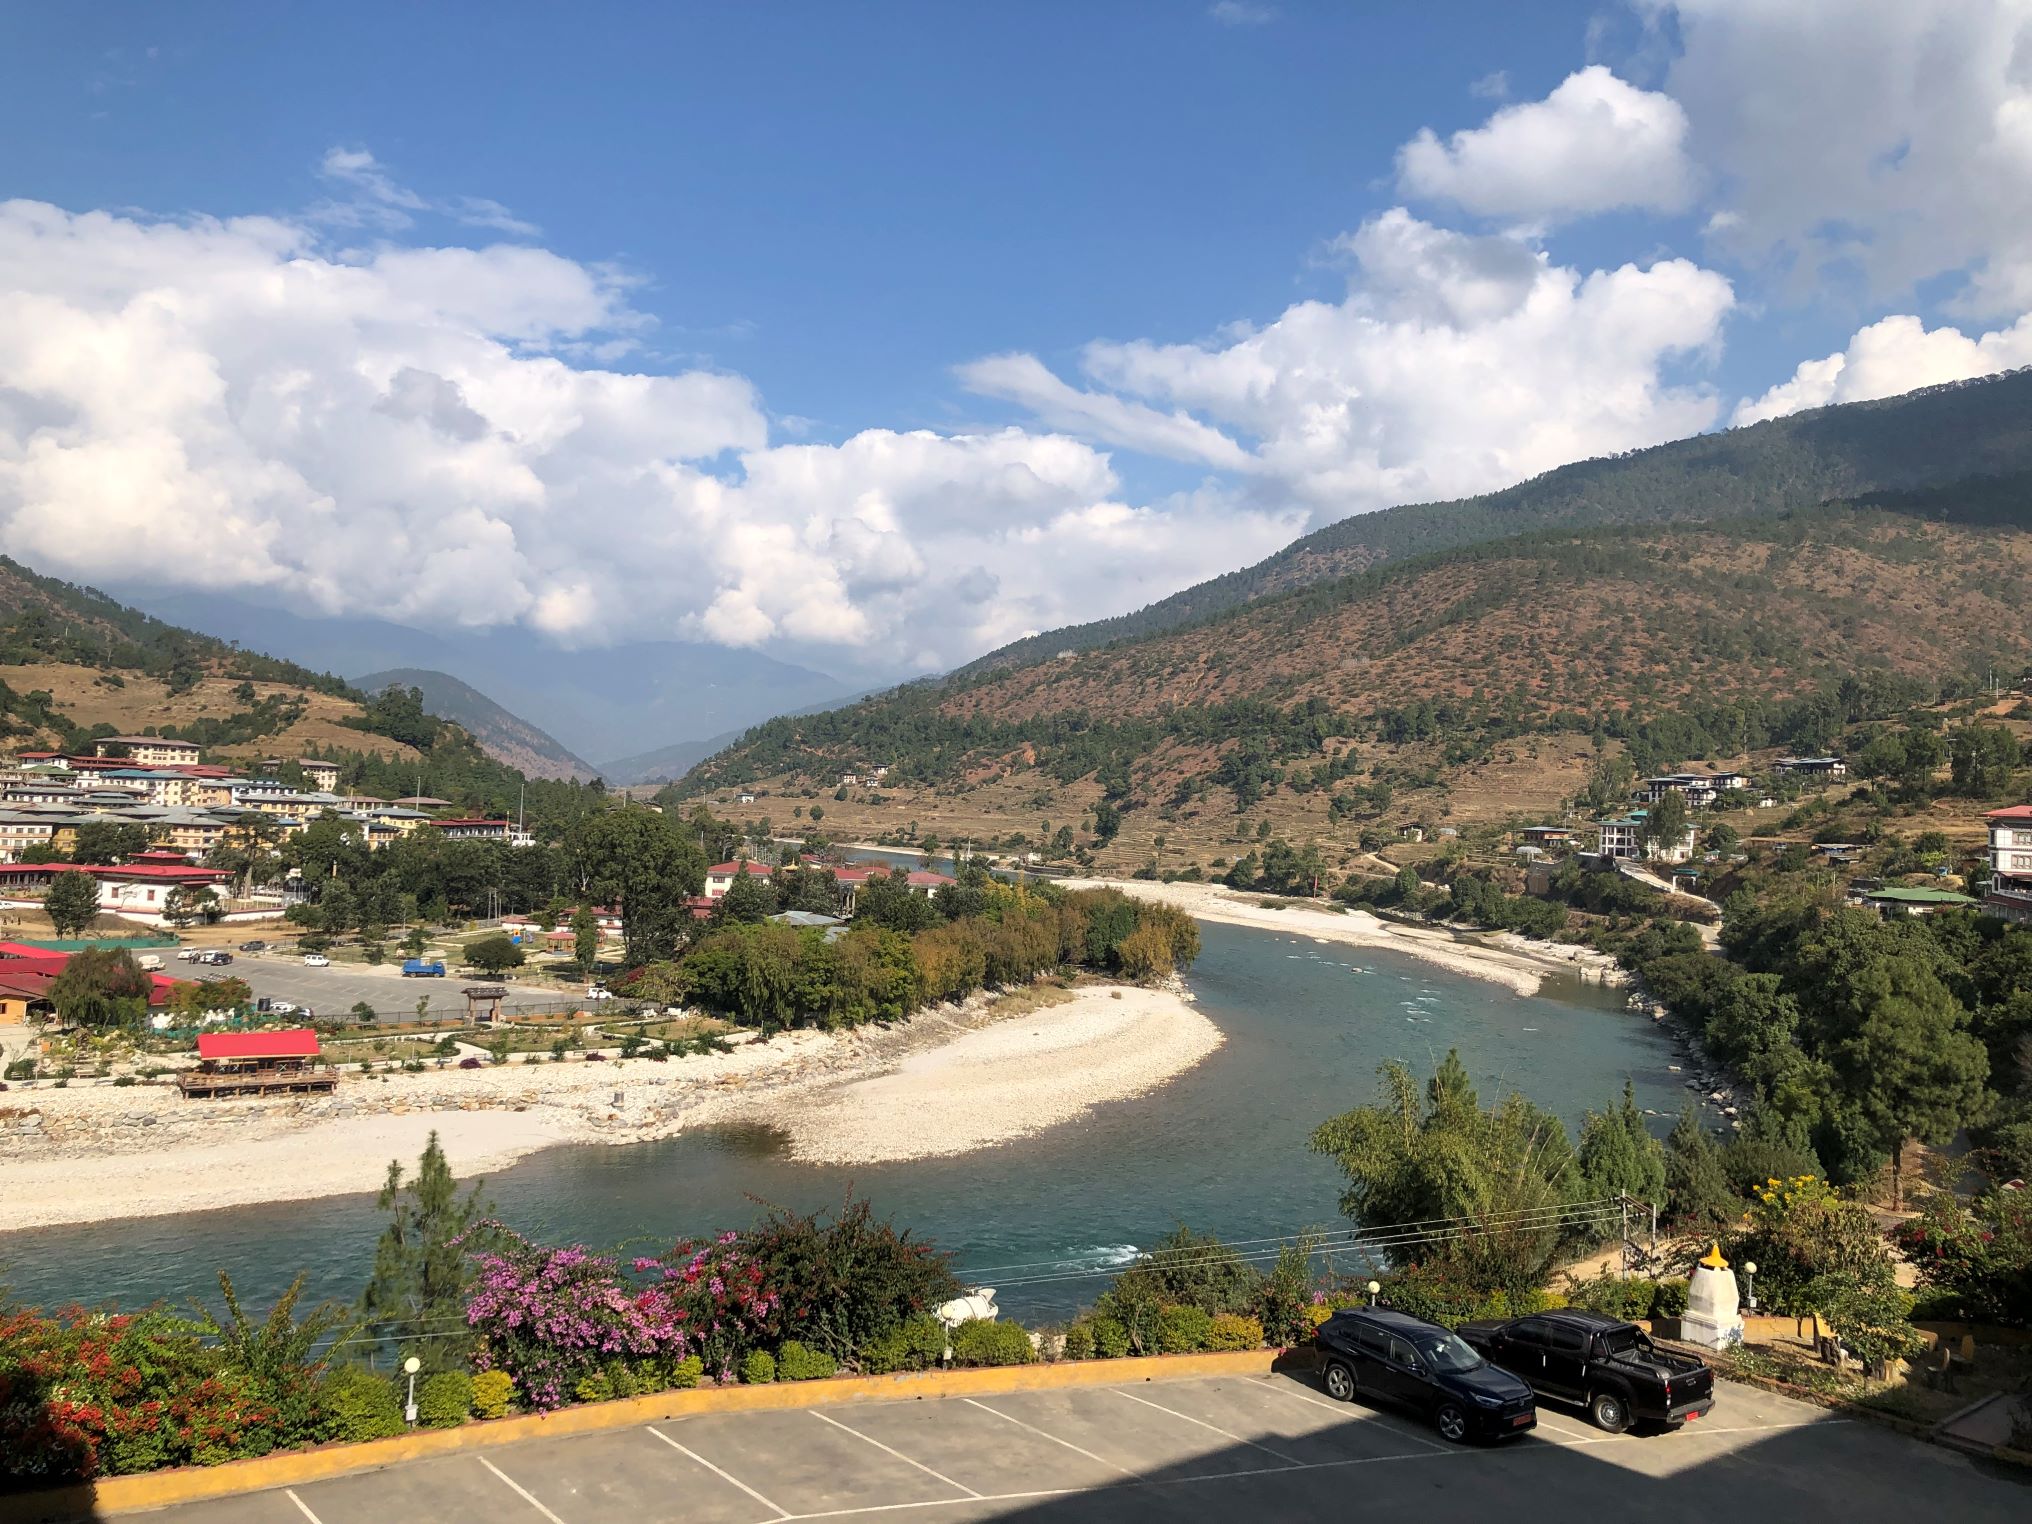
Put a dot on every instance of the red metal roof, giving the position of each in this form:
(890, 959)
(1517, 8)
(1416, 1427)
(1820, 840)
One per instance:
(728, 870)
(299, 1042)
(2014, 812)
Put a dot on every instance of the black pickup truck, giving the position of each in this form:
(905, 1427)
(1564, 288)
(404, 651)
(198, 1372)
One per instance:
(1607, 1366)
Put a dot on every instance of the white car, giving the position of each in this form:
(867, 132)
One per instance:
(598, 992)
(281, 1008)
(316, 960)
(185, 955)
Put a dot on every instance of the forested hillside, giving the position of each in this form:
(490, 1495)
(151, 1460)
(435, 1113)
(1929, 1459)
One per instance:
(1677, 640)
(1923, 439)
(505, 736)
(76, 665)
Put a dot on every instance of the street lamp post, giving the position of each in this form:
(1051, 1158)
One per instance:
(1749, 1285)
(410, 1367)
(1375, 1290)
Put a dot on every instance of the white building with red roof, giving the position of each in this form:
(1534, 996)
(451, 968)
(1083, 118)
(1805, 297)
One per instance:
(720, 876)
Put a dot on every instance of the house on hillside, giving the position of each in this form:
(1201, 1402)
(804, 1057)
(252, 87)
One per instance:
(1546, 837)
(2010, 891)
(1822, 768)
(1623, 837)
(1693, 787)
(1898, 900)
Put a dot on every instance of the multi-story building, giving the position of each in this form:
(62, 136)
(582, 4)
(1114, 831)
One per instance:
(476, 828)
(148, 749)
(2010, 892)
(1623, 836)
(1695, 787)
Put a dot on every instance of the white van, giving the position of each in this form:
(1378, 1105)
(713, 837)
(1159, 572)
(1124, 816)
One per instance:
(152, 962)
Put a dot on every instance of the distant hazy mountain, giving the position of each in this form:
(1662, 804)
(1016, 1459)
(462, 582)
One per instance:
(666, 764)
(503, 736)
(618, 702)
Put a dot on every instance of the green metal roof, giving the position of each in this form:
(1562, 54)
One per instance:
(1919, 896)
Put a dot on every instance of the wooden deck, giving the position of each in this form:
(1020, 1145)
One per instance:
(198, 1085)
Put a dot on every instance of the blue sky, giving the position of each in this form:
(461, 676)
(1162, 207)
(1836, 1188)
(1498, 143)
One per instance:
(1072, 247)
(839, 201)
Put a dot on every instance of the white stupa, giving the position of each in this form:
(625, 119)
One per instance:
(1713, 1317)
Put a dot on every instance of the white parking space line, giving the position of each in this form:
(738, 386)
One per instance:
(1155, 1481)
(1274, 1384)
(301, 1506)
(1290, 1460)
(886, 1450)
(781, 1513)
(520, 1491)
(1041, 1434)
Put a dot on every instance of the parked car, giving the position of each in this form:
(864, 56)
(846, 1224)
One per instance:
(1379, 1353)
(215, 958)
(1603, 1364)
(187, 955)
(316, 960)
(254, 946)
(149, 962)
(282, 1008)
(598, 992)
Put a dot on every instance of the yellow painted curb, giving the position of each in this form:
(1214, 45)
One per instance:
(159, 1489)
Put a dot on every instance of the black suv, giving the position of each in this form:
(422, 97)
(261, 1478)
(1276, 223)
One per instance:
(1377, 1353)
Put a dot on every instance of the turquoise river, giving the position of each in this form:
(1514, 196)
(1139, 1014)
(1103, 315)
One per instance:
(1221, 1148)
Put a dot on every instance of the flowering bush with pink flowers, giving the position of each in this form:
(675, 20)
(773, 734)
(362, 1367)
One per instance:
(559, 1318)
(714, 1299)
(549, 1317)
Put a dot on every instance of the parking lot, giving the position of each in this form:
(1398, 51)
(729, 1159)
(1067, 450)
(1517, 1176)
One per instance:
(1271, 1447)
(335, 990)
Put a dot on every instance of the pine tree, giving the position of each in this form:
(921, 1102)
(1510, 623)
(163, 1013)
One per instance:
(1618, 1155)
(416, 1296)
(1697, 1190)
(585, 927)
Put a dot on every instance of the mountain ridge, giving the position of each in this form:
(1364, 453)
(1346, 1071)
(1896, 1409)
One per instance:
(502, 734)
(1843, 451)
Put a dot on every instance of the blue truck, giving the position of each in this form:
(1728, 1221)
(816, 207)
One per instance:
(418, 968)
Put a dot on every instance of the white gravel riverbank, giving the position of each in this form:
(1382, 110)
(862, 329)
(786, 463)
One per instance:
(1514, 961)
(1008, 1080)
(89, 1153)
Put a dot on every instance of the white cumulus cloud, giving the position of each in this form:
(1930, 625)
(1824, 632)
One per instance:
(1875, 141)
(1455, 364)
(416, 433)
(1893, 355)
(1594, 144)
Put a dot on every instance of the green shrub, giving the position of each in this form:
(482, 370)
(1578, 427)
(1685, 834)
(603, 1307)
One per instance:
(20, 1069)
(687, 1373)
(1079, 1342)
(796, 1363)
(491, 1393)
(360, 1404)
(1231, 1331)
(1670, 1301)
(1111, 1339)
(593, 1387)
(915, 1344)
(981, 1341)
(444, 1400)
(758, 1368)
(1182, 1330)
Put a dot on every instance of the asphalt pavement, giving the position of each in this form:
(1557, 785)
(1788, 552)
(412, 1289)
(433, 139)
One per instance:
(1211, 1450)
(337, 988)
